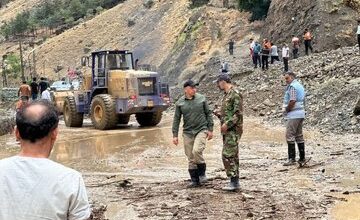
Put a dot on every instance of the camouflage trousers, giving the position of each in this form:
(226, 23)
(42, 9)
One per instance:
(230, 153)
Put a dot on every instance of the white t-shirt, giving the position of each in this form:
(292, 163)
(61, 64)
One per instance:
(38, 188)
(252, 45)
(285, 52)
(274, 51)
(46, 95)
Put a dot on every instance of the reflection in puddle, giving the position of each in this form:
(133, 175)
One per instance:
(99, 152)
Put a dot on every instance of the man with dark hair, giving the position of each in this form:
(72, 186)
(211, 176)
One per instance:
(24, 90)
(34, 89)
(307, 41)
(231, 118)
(33, 187)
(295, 46)
(294, 112)
(43, 85)
(197, 129)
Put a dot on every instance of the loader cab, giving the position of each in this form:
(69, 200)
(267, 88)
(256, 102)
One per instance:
(105, 61)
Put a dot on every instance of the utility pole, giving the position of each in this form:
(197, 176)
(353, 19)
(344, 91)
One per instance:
(4, 64)
(21, 61)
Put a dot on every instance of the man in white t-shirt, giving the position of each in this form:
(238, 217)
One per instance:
(285, 55)
(274, 53)
(32, 187)
(45, 95)
(251, 47)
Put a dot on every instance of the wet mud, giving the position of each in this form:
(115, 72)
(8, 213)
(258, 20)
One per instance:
(136, 173)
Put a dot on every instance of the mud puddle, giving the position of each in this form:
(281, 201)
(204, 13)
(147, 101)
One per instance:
(138, 174)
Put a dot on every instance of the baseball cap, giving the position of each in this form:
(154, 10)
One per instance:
(190, 83)
(223, 77)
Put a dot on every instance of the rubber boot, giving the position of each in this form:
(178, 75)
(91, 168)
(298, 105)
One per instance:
(194, 175)
(202, 171)
(233, 185)
(301, 147)
(291, 155)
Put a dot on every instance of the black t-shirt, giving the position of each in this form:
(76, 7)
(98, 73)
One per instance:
(43, 86)
(34, 88)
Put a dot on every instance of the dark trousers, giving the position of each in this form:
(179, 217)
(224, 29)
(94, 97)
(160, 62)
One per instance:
(265, 62)
(308, 46)
(359, 40)
(295, 53)
(34, 96)
(286, 63)
(257, 60)
(273, 58)
(231, 51)
(253, 58)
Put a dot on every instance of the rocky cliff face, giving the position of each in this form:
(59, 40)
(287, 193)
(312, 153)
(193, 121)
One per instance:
(332, 22)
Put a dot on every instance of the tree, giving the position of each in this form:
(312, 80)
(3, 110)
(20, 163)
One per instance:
(12, 65)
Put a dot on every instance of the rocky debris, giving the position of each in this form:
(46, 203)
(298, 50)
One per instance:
(7, 125)
(9, 94)
(333, 23)
(7, 117)
(98, 211)
(331, 79)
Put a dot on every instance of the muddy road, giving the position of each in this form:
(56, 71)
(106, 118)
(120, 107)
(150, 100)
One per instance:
(138, 174)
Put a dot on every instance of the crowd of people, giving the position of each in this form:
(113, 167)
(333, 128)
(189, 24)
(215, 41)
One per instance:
(31, 92)
(261, 52)
(34, 187)
(198, 125)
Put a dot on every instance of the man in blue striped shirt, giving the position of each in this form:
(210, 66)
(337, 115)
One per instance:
(294, 111)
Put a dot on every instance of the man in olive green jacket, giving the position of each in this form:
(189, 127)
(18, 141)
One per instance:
(197, 129)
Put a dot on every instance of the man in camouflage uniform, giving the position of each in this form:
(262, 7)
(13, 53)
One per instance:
(231, 117)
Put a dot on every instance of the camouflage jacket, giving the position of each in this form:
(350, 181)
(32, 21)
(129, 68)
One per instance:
(232, 110)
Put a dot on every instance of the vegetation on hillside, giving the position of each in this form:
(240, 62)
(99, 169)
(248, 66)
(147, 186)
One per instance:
(12, 66)
(53, 15)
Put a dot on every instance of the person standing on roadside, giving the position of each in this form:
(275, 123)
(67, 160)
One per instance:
(274, 53)
(251, 48)
(285, 56)
(231, 118)
(24, 90)
(34, 89)
(257, 51)
(295, 46)
(294, 112)
(265, 54)
(307, 41)
(43, 85)
(197, 129)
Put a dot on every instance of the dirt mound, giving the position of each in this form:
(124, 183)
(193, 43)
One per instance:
(331, 80)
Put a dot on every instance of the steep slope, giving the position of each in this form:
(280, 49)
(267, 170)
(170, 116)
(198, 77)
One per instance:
(14, 7)
(333, 23)
(150, 33)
